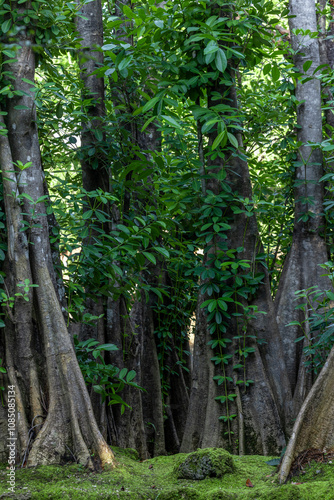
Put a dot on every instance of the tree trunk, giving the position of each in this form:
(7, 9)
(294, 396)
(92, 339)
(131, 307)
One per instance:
(93, 166)
(267, 399)
(150, 376)
(90, 28)
(314, 427)
(42, 362)
(301, 269)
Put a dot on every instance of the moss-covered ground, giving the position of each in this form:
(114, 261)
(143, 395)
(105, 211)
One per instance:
(156, 479)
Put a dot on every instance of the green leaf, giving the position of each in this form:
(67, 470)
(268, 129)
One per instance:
(221, 61)
(88, 214)
(117, 269)
(222, 304)
(150, 257)
(212, 306)
(123, 372)
(26, 80)
(110, 71)
(171, 121)
(274, 462)
(6, 25)
(28, 197)
(211, 48)
(307, 65)
(115, 398)
(108, 347)
(123, 228)
(151, 103)
(218, 139)
(109, 46)
(130, 376)
(125, 62)
(128, 12)
(163, 251)
(59, 109)
(146, 124)
(328, 147)
(233, 140)
(266, 69)
(275, 73)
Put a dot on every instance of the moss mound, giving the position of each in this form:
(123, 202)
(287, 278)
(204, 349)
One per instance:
(208, 462)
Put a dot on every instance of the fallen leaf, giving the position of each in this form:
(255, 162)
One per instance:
(150, 466)
(249, 483)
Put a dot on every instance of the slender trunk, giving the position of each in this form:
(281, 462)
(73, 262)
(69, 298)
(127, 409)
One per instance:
(150, 376)
(93, 166)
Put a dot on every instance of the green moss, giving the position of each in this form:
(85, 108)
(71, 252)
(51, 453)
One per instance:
(220, 494)
(186, 493)
(208, 462)
(128, 452)
(155, 479)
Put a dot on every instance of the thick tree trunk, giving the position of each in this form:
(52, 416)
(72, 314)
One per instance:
(314, 427)
(301, 269)
(267, 399)
(127, 430)
(48, 382)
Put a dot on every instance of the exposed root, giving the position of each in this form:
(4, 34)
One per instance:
(311, 455)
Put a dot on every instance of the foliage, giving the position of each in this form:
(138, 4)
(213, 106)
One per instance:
(318, 325)
(170, 70)
(106, 379)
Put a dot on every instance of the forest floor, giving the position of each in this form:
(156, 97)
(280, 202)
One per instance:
(156, 479)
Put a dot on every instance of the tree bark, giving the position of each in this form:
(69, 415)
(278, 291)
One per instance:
(266, 399)
(314, 427)
(93, 166)
(69, 427)
(301, 269)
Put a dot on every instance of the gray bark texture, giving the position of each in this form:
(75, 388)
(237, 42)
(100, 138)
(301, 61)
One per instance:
(40, 358)
(265, 400)
(314, 424)
(94, 174)
(125, 430)
(301, 269)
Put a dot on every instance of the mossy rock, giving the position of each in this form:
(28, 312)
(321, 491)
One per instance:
(222, 495)
(179, 493)
(208, 462)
